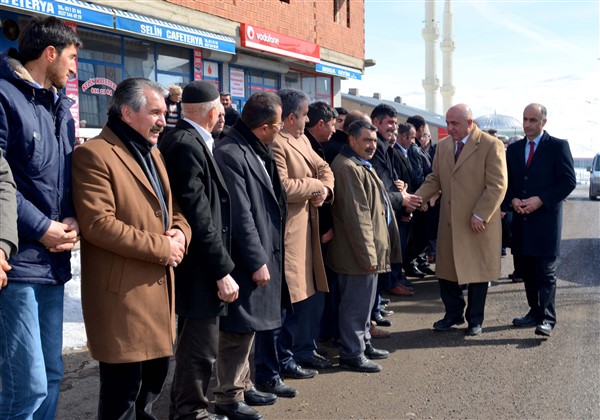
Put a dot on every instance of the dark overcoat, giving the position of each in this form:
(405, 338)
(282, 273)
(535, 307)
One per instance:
(257, 237)
(199, 188)
(551, 177)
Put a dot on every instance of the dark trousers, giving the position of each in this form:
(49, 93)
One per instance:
(128, 390)
(195, 358)
(454, 302)
(266, 360)
(329, 320)
(540, 285)
(306, 332)
(233, 367)
(417, 238)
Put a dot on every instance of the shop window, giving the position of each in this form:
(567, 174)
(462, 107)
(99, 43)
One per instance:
(263, 81)
(139, 58)
(99, 46)
(317, 88)
(97, 83)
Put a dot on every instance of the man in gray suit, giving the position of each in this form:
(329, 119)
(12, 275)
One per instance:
(259, 205)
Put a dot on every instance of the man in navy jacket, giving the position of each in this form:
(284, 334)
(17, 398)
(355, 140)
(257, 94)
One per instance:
(540, 177)
(37, 136)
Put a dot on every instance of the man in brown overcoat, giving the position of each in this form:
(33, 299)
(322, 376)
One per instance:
(469, 169)
(132, 235)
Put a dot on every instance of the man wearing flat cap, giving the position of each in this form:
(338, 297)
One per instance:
(203, 285)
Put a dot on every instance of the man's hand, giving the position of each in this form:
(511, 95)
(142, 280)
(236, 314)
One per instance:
(228, 289)
(4, 267)
(400, 185)
(177, 245)
(318, 200)
(177, 235)
(61, 236)
(528, 205)
(261, 276)
(410, 201)
(477, 226)
(327, 236)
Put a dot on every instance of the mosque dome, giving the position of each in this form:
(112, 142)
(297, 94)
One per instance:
(503, 124)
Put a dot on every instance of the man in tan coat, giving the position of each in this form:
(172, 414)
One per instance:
(132, 235)
(469, 169)
(308, 183)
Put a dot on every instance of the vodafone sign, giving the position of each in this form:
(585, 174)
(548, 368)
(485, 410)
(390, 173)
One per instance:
(265, 40)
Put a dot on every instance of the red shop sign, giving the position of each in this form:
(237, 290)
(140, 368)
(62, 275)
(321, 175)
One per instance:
(265, 40)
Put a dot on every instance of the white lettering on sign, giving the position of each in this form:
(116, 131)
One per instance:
(37, 5)
(151, 30)
(267, 38)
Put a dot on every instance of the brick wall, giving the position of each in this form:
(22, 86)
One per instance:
(309, 20)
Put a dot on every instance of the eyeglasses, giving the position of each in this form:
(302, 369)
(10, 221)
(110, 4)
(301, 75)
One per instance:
(278, 126)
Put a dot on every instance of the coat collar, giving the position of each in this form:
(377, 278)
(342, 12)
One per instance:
(470, 147)
(121, 151)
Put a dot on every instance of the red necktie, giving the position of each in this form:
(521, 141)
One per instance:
(531, 150)
(459, 147)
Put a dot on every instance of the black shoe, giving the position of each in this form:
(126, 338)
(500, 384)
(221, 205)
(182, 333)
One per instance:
(255, 397)
(297, 372)
(278, 387)
(238, 411)
(544, 329)
(425, 268)
(381, 321)
(525, 321)
(316, 362)
(386, 313)
(373, 354)
(359, 364)
(413, 271)
(516, 278)
(385, 301)
(474, 329)
(445, 324)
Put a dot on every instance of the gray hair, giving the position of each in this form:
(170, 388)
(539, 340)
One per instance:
(131, 93)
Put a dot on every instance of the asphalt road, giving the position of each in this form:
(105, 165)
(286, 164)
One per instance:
(505, 373)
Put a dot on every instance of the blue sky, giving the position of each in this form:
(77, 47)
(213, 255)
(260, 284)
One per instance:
(508, 54)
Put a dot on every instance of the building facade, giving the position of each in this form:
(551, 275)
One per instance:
(242, 46)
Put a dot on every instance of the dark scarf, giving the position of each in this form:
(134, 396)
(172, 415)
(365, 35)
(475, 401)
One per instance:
(140, 148)
(266, 155)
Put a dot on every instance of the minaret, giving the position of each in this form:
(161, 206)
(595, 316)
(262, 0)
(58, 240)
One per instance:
(447, 47)
(430, 33)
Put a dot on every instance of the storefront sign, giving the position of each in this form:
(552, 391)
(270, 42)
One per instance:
(94, 85)
(74, 10)
(197, 64)
(338, 71)
(236, 82)
(276, 43)
(190, 37)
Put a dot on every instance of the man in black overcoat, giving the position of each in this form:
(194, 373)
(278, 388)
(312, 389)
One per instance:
(540, 177)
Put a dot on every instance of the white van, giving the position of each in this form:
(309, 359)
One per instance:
(595, 178)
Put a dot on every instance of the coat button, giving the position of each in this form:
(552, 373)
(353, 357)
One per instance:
(158, 213)
(223, 199)
(225, 229)
(160, 281)
(525, 178)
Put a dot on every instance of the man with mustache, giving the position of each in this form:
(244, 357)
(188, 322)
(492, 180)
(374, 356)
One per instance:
(133, 234)
(37, 137)
(362, 246)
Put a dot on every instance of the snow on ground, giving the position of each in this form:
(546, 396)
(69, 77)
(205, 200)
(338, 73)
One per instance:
(73, 330)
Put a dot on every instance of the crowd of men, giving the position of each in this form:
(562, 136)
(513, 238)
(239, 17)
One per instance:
(270, 229)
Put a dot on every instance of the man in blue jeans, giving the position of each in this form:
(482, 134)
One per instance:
(37, 137)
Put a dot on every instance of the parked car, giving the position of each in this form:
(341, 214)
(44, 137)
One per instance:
(595, 178)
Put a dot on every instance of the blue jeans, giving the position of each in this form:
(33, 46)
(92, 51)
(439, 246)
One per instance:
(31, 366)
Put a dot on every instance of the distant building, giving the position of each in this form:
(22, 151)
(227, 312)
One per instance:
(437, 122)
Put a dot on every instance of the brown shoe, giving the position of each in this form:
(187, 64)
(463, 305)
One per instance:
(400, 290)
(377, 333)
